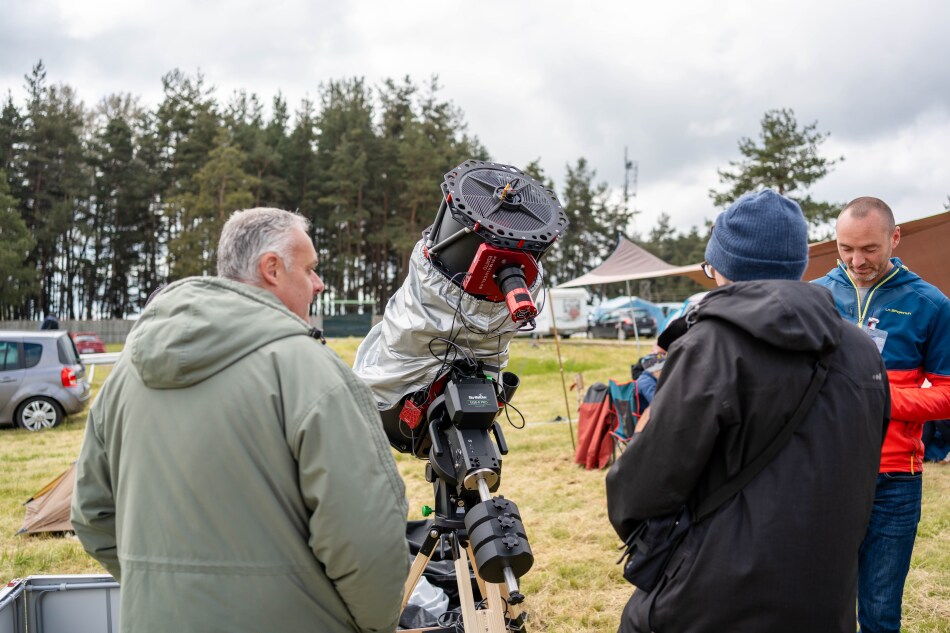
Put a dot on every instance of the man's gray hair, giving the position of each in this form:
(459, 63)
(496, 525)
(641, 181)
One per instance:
(249, 234)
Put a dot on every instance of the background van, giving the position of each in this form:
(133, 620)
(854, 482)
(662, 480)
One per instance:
(570, 309)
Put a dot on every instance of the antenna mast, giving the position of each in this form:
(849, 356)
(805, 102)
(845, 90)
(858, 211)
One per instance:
(630, 167)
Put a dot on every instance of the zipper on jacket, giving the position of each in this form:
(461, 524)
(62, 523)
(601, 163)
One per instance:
(867, 304)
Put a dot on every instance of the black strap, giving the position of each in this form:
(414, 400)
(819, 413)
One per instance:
(747, 474)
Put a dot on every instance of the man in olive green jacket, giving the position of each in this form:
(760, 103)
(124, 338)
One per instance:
(234, 474)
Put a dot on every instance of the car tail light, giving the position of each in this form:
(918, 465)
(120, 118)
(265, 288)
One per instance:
(68, 377)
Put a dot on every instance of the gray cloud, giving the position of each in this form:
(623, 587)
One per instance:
(677, 84)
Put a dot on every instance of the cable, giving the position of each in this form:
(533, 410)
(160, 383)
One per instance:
(520, 414)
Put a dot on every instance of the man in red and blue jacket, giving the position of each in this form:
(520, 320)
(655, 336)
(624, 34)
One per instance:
(909, 321)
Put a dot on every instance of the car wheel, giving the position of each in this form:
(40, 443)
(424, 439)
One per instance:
(37, 414)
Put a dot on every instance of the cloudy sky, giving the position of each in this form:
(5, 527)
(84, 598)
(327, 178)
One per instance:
(677, 83)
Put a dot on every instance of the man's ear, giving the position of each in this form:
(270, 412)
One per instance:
(896, 237)
(270, 267)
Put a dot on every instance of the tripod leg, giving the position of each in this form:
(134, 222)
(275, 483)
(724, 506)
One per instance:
(491, 592)
(475, 621)
(419, 565)
(478, 577)
(496, 595)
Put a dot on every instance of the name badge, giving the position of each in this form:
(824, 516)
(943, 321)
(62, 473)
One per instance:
(878, 336)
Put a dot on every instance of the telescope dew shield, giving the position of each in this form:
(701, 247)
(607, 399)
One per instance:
(509, 385)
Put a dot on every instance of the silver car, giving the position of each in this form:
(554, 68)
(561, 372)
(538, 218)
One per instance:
(42, 379)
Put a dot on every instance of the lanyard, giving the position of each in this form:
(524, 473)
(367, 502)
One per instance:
(867, 304)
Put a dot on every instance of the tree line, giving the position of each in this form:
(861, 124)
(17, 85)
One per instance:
(100, 205)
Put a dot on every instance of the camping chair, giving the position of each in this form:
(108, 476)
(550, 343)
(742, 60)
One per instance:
(606, 420)
(625, 401)
(595, 420)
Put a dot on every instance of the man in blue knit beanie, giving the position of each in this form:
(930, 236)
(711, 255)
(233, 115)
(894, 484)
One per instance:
(763, 353)
(762, 236)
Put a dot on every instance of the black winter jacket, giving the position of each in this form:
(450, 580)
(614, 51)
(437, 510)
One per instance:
(782, 554)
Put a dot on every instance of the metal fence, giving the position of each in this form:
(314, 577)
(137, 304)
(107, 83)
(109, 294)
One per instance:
(109, 330)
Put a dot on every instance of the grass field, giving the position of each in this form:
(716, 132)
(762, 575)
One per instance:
(574, 584)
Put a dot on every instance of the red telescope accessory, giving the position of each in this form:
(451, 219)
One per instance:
(517, 298)
(504, 275)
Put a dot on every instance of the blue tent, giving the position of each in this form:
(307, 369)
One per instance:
(629, 302)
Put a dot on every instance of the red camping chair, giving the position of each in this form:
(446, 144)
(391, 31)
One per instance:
(595, 420)
(605, 420)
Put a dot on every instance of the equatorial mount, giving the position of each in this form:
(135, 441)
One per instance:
(464, 444)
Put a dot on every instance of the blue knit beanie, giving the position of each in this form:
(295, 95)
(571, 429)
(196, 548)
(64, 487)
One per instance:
(761, 236)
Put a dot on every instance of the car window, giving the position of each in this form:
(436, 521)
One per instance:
(9, 356)
(67, 351)
(32, 352)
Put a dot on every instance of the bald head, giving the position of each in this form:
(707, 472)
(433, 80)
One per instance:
(861, 208)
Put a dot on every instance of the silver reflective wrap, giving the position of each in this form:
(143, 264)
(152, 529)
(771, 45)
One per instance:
(395, 358)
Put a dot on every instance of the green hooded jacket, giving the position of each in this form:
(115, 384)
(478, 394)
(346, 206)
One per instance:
(234, 474)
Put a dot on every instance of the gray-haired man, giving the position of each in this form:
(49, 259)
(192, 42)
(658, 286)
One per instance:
(234, 475)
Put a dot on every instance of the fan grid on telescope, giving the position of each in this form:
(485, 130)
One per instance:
(484, 181)
(515, 221)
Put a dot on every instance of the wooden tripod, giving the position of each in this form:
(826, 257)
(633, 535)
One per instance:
(487, 620)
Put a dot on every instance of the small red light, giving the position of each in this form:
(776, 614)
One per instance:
(68, 377)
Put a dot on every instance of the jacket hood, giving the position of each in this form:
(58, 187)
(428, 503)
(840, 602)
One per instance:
(839, 274)
(198, 326)
(789, 315)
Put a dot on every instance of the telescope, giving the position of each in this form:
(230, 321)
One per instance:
(436, 366)
(492, 227)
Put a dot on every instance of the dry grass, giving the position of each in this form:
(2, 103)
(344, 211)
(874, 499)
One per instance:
(574, 584)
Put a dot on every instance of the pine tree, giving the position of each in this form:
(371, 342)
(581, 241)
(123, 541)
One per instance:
(593, 229)
(263, 144)
(222, 188)
(186, 125)
(786, 159)
(17, 276)
(52, 187)
(123, 214)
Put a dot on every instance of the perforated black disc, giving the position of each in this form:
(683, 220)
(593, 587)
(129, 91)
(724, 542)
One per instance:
(510, 208)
